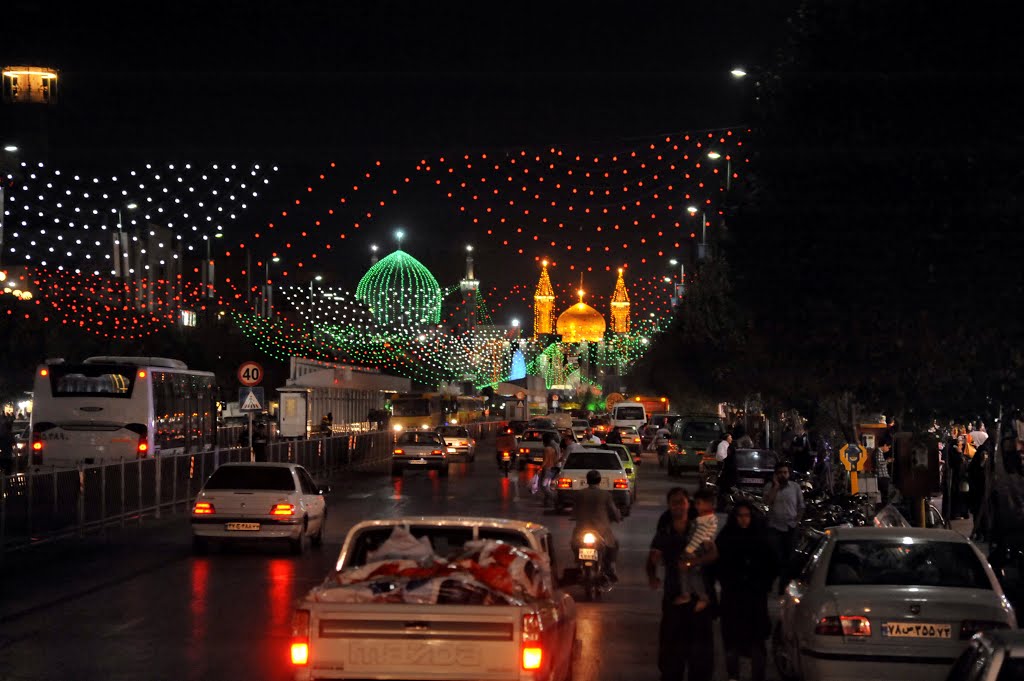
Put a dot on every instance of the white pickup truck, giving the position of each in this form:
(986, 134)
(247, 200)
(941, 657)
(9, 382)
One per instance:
(434, 598)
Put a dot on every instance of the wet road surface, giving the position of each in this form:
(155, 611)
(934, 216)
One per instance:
(138, 605)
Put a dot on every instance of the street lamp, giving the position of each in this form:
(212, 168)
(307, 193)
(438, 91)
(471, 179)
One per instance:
(268, 288)
(316, 278)
(208, 267)
(373, 253)
(399, 235)
(714, 156)
(702, 247)
(738, 72)
(11, 148)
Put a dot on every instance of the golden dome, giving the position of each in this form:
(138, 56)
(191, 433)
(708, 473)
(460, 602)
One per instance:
(580, 323)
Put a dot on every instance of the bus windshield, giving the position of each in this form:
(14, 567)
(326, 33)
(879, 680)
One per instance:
(88, 380)
(629, 413)
(411, 407)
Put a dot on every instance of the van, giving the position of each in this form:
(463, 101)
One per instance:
(626, 414)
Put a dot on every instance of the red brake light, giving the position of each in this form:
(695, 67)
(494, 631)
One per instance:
(437, 451)
(283, 509)
(300, 638)
(399, 451)
(506, 455)
(621, 483)
(37, 446)
(565, 483)
(524, 450)
(203, 508)
(142, 374)
(533, 654)
(845, 625)
(143, 447)
(44, 372)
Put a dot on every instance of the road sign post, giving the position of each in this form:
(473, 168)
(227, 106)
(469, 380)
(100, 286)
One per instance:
(250, 400)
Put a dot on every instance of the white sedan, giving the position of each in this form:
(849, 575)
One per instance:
(573, 478)
(259, 501)
(459, 441)
(886, 603)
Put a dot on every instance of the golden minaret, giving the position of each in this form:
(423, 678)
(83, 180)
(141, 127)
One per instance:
(620, 307)
(543, 303)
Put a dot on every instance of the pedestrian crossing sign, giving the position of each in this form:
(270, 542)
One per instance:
(250, 399)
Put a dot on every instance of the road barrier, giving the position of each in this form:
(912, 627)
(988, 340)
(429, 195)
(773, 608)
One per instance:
(40, 505)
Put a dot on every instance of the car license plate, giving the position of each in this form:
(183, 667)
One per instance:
(916, 630)
(588, 554)
(244, 527)
(752, 481)
(418, 461)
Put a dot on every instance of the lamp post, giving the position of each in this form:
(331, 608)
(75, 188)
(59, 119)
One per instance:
(10, 149)
(399, 235)
(702, 247)
(316, 278)
(373, 254)
(209, 272)
(714, 156)
(268, 288)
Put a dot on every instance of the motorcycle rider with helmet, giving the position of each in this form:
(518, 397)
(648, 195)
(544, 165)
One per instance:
(596, 511)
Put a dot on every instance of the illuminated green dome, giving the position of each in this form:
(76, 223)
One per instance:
(400, 291)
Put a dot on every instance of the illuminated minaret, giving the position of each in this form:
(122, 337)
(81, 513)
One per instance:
(543, 304)
(620, 307)
(469, 287)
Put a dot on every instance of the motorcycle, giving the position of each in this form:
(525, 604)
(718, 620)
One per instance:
(590, 549)
(506, 460)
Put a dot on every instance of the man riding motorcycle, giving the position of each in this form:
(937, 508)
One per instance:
(595, 512)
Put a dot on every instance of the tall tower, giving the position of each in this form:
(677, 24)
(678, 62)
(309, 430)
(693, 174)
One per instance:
(469, 287)
(620, 307)
(543, 303)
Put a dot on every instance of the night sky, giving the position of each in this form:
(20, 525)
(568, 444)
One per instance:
(305, 84)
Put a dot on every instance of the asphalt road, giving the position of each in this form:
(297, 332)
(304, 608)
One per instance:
(137, 604)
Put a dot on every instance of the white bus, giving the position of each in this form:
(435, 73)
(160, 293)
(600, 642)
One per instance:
(111, 408)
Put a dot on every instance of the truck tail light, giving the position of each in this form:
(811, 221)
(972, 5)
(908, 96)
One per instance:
(844, 625)
(565, 483)
(533, 654)
(203, 508)
(283, 509)
(300, 638)
(621, 483)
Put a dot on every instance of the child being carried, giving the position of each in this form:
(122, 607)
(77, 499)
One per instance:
(706, 526)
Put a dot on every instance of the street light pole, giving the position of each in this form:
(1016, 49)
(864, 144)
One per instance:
(316, 278)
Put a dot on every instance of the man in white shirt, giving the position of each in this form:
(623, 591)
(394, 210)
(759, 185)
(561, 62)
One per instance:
(589, 438)
(723, 448)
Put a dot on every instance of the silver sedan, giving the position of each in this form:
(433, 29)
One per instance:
(886, 603)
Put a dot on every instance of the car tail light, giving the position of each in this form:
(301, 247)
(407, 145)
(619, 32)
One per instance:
(844, 625)
(533, 654)
(636, 440)
(524, 450)
(300, 638)
(565, 483)
(621, 483)
(435, 452)
(399, 451)
(283, 509)
(203, 508)
(971, 627)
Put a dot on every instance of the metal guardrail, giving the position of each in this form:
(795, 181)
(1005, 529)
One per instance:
(41, 505)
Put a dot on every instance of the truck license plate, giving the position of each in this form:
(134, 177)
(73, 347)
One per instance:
(916, 630)
(588, 554)
(245, 527)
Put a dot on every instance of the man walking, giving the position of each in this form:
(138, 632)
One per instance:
(785, 508)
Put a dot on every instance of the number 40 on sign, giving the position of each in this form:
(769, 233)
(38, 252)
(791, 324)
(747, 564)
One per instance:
(250, 373)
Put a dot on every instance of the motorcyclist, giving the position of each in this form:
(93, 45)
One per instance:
(596, 511)
(505, 441)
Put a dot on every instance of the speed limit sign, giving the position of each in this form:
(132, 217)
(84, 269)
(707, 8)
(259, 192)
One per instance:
(250, 373)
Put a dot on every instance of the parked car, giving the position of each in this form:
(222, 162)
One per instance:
(259, 501)
(691, 438)
(886, 603)
(754, 469)
(991, 656)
